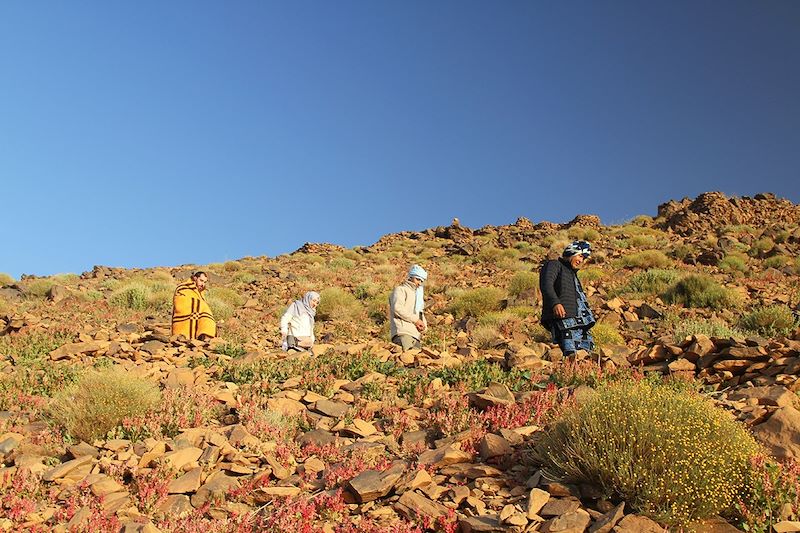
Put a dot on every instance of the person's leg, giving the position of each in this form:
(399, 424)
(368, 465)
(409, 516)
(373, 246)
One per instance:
(406, 342)
(586, 341)
(564, 338)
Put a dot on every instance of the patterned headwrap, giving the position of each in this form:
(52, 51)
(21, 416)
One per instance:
(578, 247)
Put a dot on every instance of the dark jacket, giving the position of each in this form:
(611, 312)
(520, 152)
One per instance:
(557, 283)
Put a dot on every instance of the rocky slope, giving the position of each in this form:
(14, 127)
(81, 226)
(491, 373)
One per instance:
(358, 435)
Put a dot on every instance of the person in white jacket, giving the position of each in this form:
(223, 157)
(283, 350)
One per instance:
(297, 323)
(406, 316)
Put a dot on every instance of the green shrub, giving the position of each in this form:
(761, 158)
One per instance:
(132, 296)
(231, 349)
(668, 454)
(710, 328)
(739, 230)
(643, 241)
(311, 259)
(336, 303)
(229, 296)
(579, 233)
(490, 254)
(762, 246)
(231, 266)
(523, 282)
(680, 251)
(777, 261)
(101, 400)
(39, 287)
(645, 259)
(245, 278)
(366, 290)
(341, 263)
(522, 311)
(592, 274)
(5, 279)
(484, 336)
(223, 302)
(697, 290)
(476, 302)
(606, 335)
(769, 321)
(35, 374)
(653, 281)
(478, 374)
(733, 262)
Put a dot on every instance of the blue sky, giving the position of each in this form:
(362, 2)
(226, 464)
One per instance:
(140, 134)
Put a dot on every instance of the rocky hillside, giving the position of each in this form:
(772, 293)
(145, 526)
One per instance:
(108, 423)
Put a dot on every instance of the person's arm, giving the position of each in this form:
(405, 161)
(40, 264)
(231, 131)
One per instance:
(285, 319)
(547, 283)
(398, 303)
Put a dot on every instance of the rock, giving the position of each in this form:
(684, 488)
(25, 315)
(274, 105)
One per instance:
(781, 433)
(681, 365)
(105, 486)
(331, 408)
(776, 395)
(286, 406)
(179, 377)
(64, 469)
(570, 522)
(649, 311)
(413, 506)
(361, 428)
(127, 328)
(56, 293)
(153, 347)
(444, 456)
(700, 346)
(8, 444)
(536, 500)
(744, 352)
(373, 484)
(176, 506)
(266, 494)
(77, 348)
(786, 526)
(187, 483)
(494, 394)
(607, 522)
(481, 524)
(492, 445)
(637, 524)
(559, 506)
(216, 486)
(180, 458)
(317, 437)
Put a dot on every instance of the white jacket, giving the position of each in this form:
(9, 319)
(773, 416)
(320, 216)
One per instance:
(299, 326)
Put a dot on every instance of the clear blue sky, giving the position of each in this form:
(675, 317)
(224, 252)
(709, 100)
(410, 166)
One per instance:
(160, 133)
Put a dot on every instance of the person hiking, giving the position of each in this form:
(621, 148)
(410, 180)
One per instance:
(406, 310)
(565, 309)
(297, 323)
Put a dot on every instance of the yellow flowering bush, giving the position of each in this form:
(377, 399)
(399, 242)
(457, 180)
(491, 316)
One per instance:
(669, 453)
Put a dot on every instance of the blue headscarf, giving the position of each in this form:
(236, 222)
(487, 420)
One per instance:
(418, 272)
